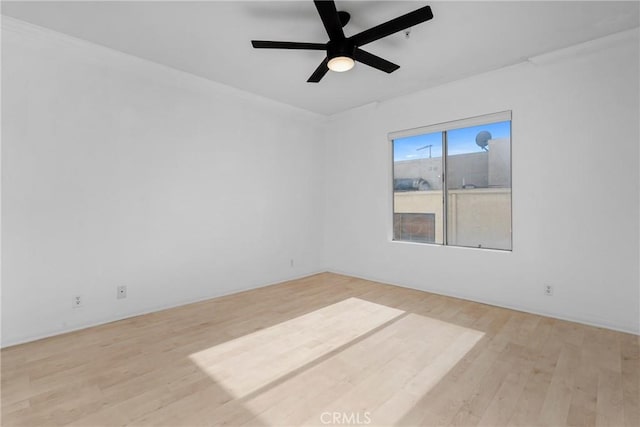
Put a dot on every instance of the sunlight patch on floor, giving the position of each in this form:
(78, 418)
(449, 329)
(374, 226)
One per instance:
(281, 376)
(246, 364)
(378, 379)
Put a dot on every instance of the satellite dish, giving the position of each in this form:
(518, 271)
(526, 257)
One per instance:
(482, 139)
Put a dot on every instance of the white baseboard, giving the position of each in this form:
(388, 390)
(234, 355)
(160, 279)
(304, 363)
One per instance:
(589, 322)
(62, 331)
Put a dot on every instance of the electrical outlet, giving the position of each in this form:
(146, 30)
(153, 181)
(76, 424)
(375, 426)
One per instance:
(291, 262)
(548, 290)
(122, 292)
(76, 301)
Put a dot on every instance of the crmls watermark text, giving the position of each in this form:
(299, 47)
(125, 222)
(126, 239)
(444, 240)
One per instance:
(357, 418)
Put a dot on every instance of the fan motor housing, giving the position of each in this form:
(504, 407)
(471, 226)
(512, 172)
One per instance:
(341, 48)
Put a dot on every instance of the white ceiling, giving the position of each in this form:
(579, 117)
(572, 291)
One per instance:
(212, 40)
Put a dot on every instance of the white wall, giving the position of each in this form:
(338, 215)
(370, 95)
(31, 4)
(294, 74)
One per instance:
(117, 171)
(575, 187)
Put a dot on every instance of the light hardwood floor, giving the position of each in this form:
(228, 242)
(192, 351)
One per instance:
(324, 350)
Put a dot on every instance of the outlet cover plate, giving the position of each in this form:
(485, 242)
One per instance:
(76, 301)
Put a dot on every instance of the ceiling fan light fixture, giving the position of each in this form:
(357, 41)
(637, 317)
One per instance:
(341, 64)
(342, 52)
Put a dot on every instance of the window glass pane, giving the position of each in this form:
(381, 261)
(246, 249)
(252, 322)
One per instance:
(479, 186)
(417, 188)
(415, 227)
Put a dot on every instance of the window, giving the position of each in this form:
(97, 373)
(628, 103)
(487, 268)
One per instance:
(452, 183)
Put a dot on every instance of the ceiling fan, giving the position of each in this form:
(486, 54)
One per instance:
(342, 52)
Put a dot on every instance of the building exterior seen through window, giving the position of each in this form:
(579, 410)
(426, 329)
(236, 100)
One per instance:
(452, 183)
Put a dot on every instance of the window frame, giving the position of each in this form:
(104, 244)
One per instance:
(444, 127)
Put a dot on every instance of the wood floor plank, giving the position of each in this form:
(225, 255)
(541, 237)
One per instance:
(326, 348)
(630, 355)
(582, 411)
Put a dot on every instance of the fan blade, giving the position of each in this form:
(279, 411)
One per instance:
(319, 73)
(398, 24)
(330, 19)
(264, 44)
(375, 61)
